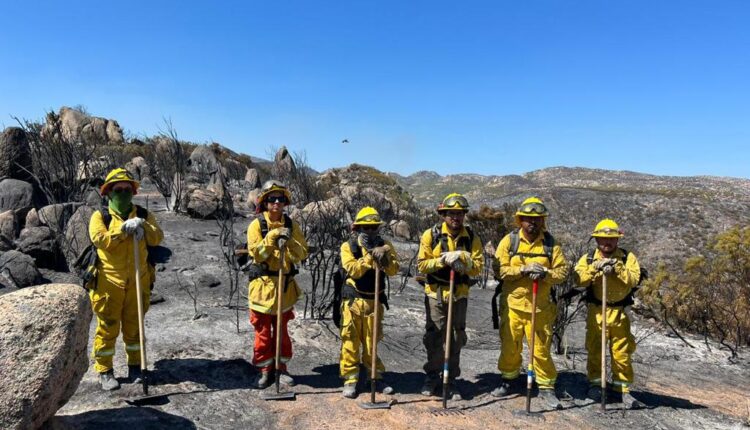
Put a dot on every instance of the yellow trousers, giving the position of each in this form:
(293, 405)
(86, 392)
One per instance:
(116, 308)
(517, 324)
(621, 346)
(357, 319)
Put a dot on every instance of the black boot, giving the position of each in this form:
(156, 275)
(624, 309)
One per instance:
(107, 381)
(631, 402)
(595, 393)
(134, 374)
(454, 393)
(550, 398)
(502, 390)
(429, 385)
(264, 380)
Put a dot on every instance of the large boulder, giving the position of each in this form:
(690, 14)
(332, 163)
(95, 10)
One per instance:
(40, 244)
(8, 227)
(252, 198)
(138, 167)
(202, 203)
(32, 218)
(76, 237)
(93, 198)
(252, 177)
(203, 164)
(17, 270)
(284, 163)
(56, 216)
(44, 334)
(15, 154)
(400, 229)
(234, 170)
(16, 195)
(329, 210)
(77, 125)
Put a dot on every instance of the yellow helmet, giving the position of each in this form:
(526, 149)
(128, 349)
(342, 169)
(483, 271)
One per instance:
(118, 175)
(367, 216)
(453, 202)
(270, 186)
(533, 206)
(607, 228)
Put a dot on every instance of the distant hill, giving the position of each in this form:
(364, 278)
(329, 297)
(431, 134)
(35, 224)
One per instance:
(664, 217)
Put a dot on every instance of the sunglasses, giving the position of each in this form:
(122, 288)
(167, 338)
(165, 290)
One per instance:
(536, 208)
(121, 190)
(369, 227)
(454, 214)
(277, 199)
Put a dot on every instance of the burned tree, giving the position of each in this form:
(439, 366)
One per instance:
(167, 160)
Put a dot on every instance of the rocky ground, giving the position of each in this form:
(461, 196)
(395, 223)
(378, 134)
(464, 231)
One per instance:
(202, 376)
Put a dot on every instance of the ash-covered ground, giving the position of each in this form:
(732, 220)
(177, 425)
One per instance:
(202, 376)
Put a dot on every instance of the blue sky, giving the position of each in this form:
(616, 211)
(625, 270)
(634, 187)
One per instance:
(493, 87)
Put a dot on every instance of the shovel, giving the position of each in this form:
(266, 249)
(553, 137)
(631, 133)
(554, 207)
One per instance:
(446, 357)
(372, 404)
(604, 343)
(287, 395)
(530, 373)
(141, 326)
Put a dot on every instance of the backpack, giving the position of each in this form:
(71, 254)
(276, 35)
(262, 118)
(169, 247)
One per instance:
(628, 300)
(85, 264)
(548, 243)
(342, 291)
(255, 270)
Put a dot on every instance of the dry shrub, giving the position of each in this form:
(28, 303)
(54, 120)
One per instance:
(711, 295)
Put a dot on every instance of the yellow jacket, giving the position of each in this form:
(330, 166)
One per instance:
(619, 284)
(357, 268)
(115, 248)
(428, 262)
(262, 290)
(517, 288)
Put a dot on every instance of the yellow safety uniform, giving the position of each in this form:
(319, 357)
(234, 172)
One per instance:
(621, 341)
(428, 263)
(437, 292)
(357, 314)
(114, 301)
(516, 307)
(262, 290)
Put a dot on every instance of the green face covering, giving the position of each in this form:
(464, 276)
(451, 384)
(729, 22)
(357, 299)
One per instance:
(121, 202)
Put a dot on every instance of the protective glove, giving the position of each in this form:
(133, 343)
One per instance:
(284, 235)
(276, 235)
(608, 269)
(534, 268)
(380, 254)
(459, 267)
(131, 225)
(534, 276)
(602, 263)
(451, 257)
(464, 263)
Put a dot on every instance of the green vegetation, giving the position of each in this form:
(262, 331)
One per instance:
(711, 295)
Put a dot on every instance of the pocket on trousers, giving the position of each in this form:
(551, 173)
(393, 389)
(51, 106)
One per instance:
(99, 303)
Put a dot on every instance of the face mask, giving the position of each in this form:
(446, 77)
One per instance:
(121, 202)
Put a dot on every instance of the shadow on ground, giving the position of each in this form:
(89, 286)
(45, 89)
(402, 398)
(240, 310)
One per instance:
(213, 374)
(325, 376)
(119, 419)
